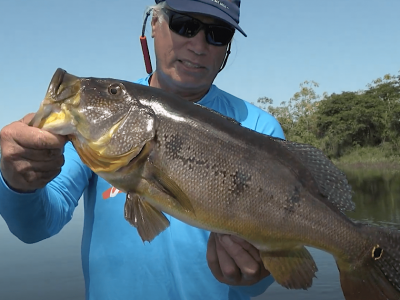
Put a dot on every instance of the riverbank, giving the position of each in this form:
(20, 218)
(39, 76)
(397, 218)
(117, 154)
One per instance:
(362, 165)
(369, 158)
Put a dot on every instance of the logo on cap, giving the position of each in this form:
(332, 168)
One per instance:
(219, 2)
(236, 2)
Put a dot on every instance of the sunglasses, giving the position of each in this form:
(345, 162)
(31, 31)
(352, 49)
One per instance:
(184, 25)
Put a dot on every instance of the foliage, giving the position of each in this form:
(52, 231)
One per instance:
(367, 118)
(386, 91)
(297, 117)
(339, 123)
(378, 155)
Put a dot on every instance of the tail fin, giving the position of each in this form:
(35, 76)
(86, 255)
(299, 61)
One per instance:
(376, 276)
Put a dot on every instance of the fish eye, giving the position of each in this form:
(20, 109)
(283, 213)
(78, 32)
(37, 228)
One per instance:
(114, 89)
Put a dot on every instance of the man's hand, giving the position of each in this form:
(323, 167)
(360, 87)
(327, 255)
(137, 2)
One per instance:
(234, 261)
(30, 157)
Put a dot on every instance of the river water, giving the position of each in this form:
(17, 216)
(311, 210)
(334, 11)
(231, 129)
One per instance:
(51, 269)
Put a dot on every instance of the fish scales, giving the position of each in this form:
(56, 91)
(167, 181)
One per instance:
(257, 174)
(173, 156)
(183, 153)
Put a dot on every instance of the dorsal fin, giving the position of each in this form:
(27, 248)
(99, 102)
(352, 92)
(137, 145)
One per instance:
(331, 182)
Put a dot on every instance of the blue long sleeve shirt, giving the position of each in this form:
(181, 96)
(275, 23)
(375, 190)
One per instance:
(116, 263)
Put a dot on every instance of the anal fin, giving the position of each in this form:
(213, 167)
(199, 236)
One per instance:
(148, 220)
(292, 268)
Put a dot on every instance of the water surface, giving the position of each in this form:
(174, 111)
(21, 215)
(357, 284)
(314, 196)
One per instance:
(51, 269)
(47, 270)
(377, 199)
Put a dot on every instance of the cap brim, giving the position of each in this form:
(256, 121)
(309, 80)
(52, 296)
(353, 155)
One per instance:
(205, 9)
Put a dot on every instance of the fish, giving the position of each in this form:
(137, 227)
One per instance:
(172, 156)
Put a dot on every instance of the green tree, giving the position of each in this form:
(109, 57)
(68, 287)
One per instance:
(346, 120)
(386, 91)
(297, 116)
(360, 119)
(338, 123)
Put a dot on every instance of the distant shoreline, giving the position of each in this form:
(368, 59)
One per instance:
(378, 166)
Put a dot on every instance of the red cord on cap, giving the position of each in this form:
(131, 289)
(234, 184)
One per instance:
(146, 55)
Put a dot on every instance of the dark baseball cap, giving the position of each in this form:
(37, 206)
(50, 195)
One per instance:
(226, 10)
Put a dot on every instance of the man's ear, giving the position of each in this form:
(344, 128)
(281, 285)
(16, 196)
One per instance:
(154, 23)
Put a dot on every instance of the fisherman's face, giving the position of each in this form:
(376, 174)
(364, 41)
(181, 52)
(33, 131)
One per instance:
(189, 64)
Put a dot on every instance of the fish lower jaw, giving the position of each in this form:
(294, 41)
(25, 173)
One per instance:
(56, 119)
(61, 129)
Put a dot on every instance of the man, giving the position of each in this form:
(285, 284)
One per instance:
(42, 180)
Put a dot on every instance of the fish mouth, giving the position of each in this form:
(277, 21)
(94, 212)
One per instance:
(63, 88)
(55, 82)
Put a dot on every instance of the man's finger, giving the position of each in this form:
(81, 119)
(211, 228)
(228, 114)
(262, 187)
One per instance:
(45, 155)
(227, 262)
(40, 179)
(31, 137)
(253, 251)
(39, 166)
(248, 266)
(212, 258)
(26, 119)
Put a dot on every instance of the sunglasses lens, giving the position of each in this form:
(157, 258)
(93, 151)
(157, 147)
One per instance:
(219, 35)
(188, 27)
(184, 25)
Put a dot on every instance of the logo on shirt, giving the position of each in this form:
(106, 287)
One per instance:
(111, 193)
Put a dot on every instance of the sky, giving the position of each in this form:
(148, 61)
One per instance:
(343, 45)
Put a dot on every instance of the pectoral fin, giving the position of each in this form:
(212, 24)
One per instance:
(294, 268)
(165, 186)
(148, 220)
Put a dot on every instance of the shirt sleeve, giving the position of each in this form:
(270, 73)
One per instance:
(35, 216)
(263, 122)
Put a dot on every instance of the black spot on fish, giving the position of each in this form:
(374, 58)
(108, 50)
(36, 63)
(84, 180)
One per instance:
(177, 149)
(240, 182)
(295, 196)
(217, 171)
(293, 200)
(174, 145)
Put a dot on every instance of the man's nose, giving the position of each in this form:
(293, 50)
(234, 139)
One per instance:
(198, 43)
